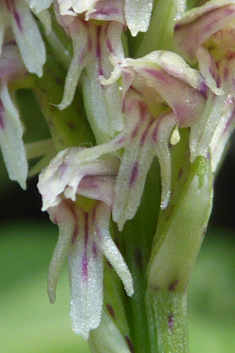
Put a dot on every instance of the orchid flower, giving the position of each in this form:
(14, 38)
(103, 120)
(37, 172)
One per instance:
(16, 15)
(206, 34)
(153, 107)
(92, 45)
(78, 195)
(211, 32)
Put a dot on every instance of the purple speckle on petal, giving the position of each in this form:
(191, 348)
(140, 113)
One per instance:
(86, 229)
(134, 173)
(62, 168)
(154, 135)
(143, 137)
(160, 76)
(120, 140)
(2, 116)
(170, 321)
(18, 20)
(203, 89)
(85, 265)
(226, 73)
(98, 51)
(134, 132)
(8, 4)
(109, 45)
(107, 11)
(75, 234)
(94, 250)
(142, 109)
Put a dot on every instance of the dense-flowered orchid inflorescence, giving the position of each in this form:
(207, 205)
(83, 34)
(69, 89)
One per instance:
(137, 134)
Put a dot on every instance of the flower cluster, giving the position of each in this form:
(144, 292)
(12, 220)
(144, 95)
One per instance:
(137, 109)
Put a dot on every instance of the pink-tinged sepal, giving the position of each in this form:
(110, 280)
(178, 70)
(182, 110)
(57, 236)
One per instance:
(92, 45)
(86, 275)
(62, 215)
(11, 142)
(18, 16)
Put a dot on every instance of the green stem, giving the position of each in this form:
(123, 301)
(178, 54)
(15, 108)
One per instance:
(168, 315)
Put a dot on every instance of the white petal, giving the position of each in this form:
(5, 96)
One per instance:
(79, 60)
(222, 133)
(206, 68)
(180, 7)
(28, 38)
(138, 14)
(125, 201)
(11, 142)
(86, 279)
(109, 248)
(202, 132)
(105, 101)
(164, 130)
(64, 217)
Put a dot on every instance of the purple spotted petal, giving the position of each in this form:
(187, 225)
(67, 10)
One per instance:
(11, 142)
(86, 279)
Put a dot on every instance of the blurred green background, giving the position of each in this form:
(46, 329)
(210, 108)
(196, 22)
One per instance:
(29, 324)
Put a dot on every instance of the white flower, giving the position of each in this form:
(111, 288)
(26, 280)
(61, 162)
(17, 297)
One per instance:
(206, 34)
(160, 92)
(84, 234)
